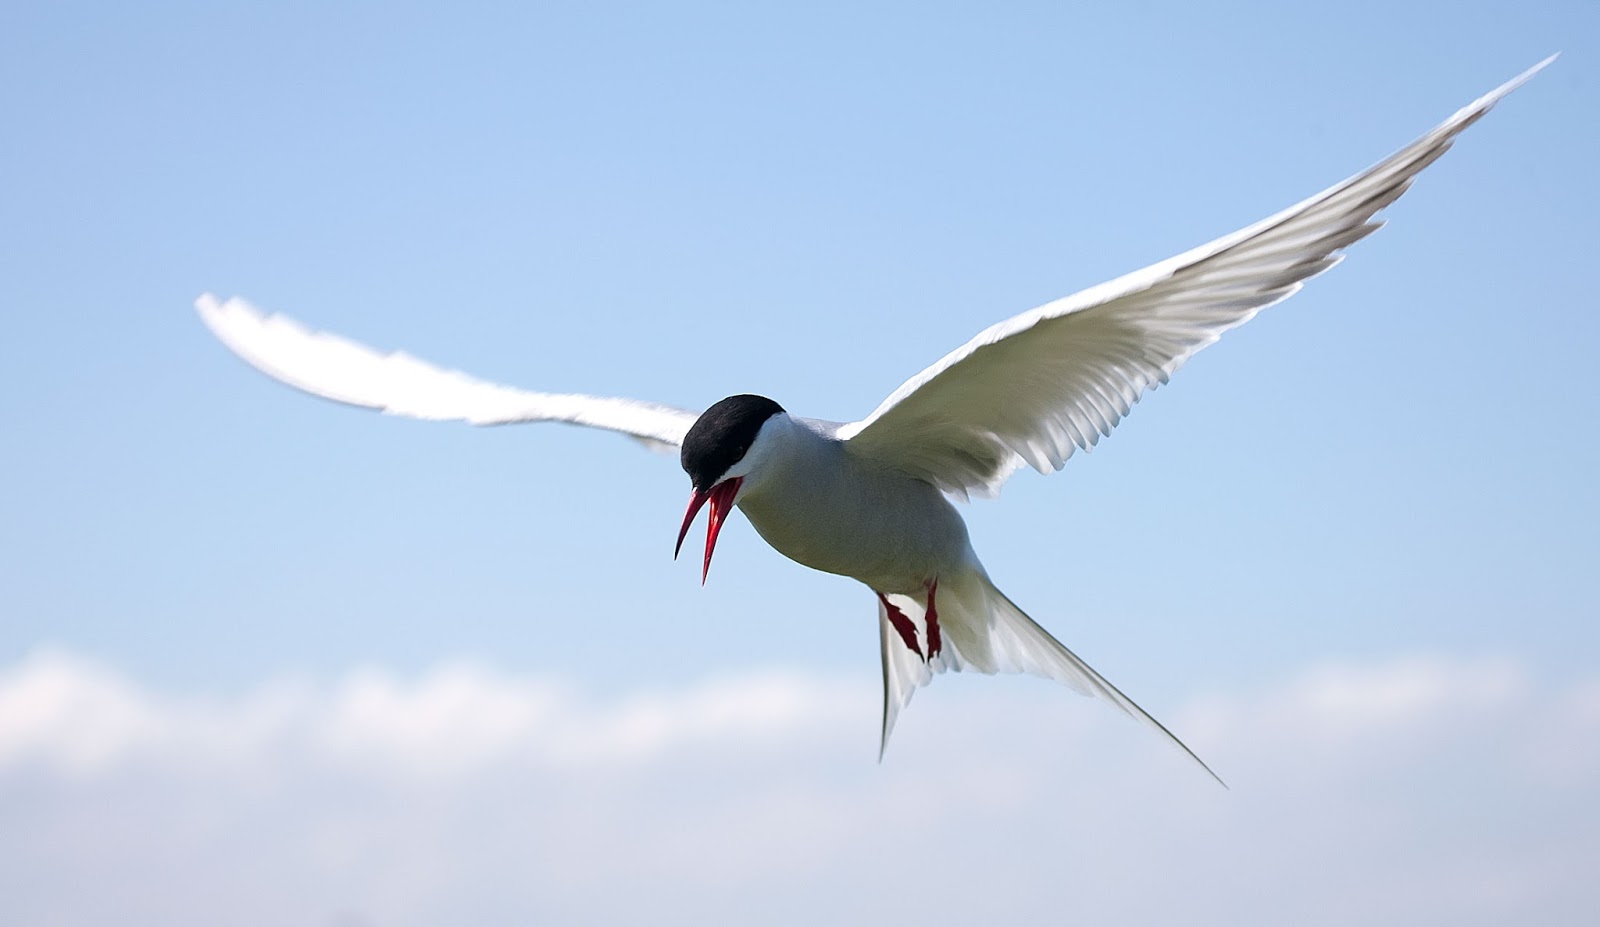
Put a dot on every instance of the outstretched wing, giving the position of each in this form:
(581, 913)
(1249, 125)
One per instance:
(1037, 387)
(397, 384)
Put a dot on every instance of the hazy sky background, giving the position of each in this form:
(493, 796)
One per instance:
(270, 660)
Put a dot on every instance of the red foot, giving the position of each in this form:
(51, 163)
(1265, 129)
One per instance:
(902, 624)
(935, 639)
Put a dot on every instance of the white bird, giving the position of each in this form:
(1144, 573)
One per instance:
(871, 499)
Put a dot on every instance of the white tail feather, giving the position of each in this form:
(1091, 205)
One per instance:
(985, 631)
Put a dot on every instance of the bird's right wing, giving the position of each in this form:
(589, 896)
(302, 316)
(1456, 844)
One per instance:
(397, 384)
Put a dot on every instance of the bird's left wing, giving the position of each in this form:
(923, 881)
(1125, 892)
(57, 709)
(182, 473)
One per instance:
(397, 384)
(1039, 386)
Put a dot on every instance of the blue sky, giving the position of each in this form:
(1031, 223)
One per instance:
(812, 204)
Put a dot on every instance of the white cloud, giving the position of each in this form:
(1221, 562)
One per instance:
(1408, 792)
(71, 714)
(65, 714)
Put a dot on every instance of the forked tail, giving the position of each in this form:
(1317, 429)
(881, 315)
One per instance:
(977, 628)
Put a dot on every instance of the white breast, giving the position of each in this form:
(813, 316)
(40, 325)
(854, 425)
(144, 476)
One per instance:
(820, 506)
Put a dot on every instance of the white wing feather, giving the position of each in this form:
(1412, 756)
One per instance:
(1039, 386)
(334, 368)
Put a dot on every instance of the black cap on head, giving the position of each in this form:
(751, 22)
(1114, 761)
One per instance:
(721, 435)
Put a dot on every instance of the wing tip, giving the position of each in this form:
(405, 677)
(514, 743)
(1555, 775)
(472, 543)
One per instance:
(208, 303)
(211, 309)
(1483, 103)
(218, 314)
(1523, 77)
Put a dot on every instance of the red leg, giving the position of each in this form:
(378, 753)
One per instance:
(935, 639)
(902, 624)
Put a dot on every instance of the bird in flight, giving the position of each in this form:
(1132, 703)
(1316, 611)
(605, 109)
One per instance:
(872, 499)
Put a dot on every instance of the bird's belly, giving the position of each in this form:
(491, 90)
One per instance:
(893, 535)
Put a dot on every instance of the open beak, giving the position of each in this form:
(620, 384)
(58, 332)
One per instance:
(721, 498)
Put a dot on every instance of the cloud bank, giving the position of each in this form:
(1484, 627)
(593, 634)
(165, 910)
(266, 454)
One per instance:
(1407, 792)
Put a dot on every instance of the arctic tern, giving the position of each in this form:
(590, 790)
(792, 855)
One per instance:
(871, 499)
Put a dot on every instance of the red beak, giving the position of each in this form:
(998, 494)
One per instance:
(721, 498)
